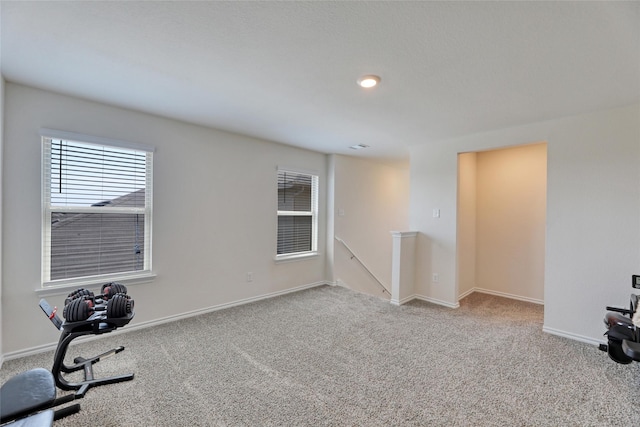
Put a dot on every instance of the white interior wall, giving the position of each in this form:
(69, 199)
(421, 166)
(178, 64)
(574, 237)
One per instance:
(593, 200)
(433, 184)
(214, 212)
(466, 232)
(1, 200)
(511, 220)
(592, 228)
(370, 200)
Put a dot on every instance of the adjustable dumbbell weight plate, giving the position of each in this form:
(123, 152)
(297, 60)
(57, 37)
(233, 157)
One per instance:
(78, 293)
(111, 289)
(78, 310)
(120, 305)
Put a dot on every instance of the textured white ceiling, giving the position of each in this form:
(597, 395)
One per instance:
(286, 71)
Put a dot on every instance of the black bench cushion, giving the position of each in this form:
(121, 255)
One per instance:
(27, 393)
(41, 419)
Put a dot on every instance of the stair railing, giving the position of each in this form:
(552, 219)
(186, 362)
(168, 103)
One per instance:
(353, 255)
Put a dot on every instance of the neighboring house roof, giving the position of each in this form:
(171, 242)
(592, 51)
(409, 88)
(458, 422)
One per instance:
(84, 244)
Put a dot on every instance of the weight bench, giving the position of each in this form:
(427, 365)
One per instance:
(26, 400)
(41, 419)
(623, 330)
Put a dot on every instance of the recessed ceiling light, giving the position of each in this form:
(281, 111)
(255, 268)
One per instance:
(359, 146)
(368, 81)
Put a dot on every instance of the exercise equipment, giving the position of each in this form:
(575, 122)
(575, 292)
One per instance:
(89, 314)
(27, 399)
(623, 329)
(40, 419)
(84, 306)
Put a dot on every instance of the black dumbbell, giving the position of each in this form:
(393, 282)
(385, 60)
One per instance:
(120, 305)
(111, 289)
(78, 293)
(78, 309)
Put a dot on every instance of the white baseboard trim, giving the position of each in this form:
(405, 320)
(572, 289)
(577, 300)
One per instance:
(341, 283)
(403, 300)
(575, 337)
(466, 294)
(552, 331)
(436, 301)
(249, 300)
(501, 294)
(33, 350)
(150, 323)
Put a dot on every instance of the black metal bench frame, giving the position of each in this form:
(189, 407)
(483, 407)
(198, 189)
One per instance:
(623, 336)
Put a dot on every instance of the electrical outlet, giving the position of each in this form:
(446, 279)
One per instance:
(436, 278)
(249, 276)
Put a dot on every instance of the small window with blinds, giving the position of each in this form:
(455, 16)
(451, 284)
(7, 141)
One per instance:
(297, 214)
(97, 211)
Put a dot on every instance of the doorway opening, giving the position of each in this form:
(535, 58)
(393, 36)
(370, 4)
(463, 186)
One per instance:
(502, 221)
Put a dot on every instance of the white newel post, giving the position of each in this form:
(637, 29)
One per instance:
(402, 266)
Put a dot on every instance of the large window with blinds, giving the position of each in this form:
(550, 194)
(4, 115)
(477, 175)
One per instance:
(297, 214)
(97, 208)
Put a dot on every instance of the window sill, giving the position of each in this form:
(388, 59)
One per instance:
(66, 286)
(295, 257)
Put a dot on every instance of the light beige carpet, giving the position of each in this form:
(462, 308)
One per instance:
(329, 356)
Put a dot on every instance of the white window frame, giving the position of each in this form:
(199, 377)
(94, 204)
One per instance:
(313, 213)
(130, 277)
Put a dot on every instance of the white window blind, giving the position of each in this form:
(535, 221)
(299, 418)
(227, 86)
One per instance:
(297, 213)
(97, 205)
